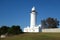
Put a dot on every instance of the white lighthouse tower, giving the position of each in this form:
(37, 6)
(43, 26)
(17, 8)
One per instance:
(33, 18)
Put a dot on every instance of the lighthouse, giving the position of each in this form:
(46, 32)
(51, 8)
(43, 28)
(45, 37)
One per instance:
(33, 17)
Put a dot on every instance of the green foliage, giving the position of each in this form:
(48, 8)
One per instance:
(4, 29)
(43, 23)
(50, 23)
(10, 30)
(15, 30)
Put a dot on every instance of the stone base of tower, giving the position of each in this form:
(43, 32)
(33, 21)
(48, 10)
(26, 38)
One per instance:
(32, 29)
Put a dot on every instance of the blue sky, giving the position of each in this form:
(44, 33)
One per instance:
(17, 12)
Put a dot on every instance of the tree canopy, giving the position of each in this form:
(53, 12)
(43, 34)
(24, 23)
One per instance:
(10, 30)
(50, 23)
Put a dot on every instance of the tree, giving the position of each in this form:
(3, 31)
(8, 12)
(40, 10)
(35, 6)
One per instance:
(51, 23)
(15, 30)
(43, 23)
(10, 30)
(4, 29)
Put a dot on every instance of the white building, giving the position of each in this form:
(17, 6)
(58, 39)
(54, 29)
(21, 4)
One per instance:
(34, 28)
(33, 18)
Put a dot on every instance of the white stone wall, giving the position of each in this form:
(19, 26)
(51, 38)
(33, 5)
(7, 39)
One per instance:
(34, 29)
(51, 30)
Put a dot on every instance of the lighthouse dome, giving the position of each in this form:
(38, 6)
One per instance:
(33, 9)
